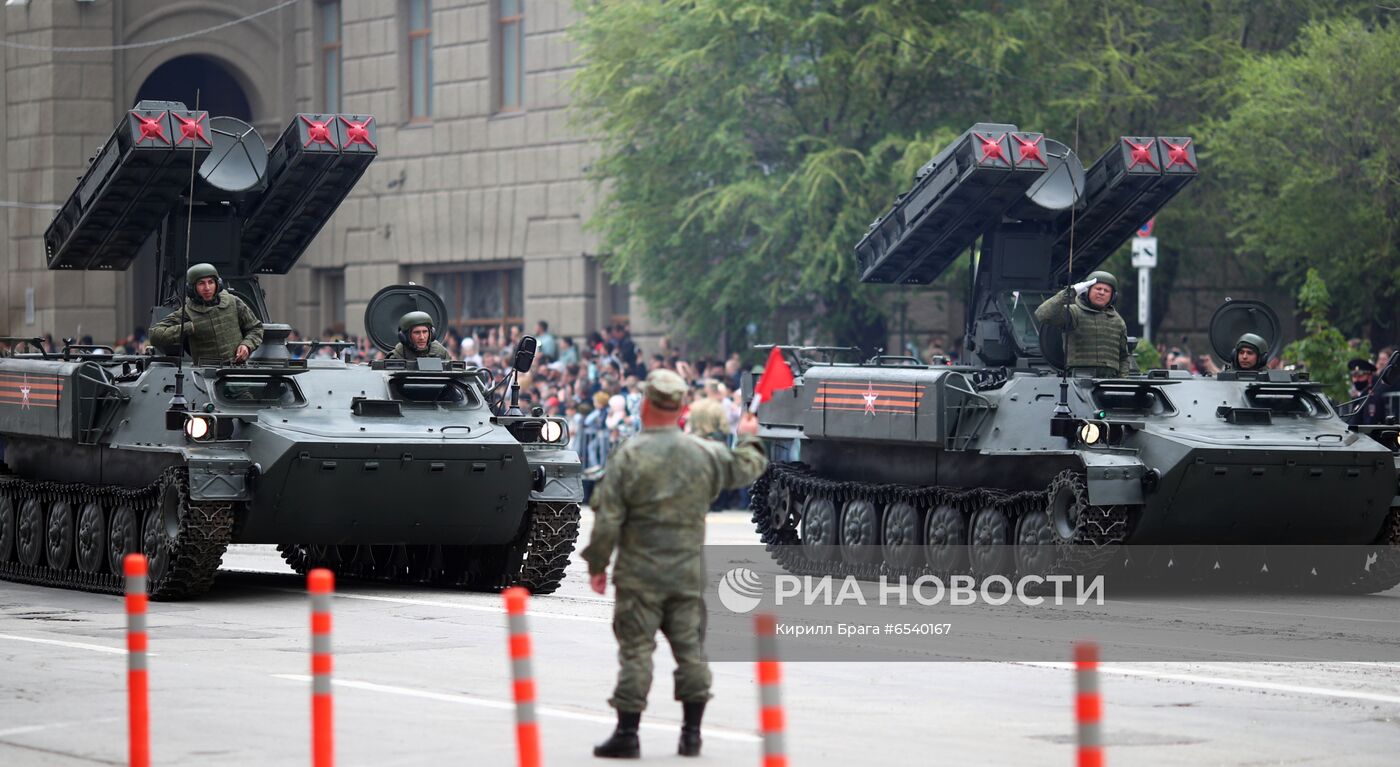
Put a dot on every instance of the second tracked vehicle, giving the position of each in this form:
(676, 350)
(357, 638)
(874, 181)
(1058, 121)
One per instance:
(1007, 463)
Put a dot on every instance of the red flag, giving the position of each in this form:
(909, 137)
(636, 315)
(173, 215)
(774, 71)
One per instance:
(777, 376)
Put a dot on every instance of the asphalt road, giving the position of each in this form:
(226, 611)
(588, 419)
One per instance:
(422, 679)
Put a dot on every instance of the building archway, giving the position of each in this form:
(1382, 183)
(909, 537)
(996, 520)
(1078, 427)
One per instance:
(184, 77)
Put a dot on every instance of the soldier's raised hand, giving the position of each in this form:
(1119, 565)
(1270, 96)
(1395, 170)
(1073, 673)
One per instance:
(1082, 287)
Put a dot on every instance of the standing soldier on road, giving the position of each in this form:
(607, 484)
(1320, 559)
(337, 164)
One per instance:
(416, 338)
(1096, 336)
(651, 507)
(218, 326)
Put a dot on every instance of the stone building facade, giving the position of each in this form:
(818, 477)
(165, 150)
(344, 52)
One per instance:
(478, 190)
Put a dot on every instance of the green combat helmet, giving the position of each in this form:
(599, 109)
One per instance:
(1260, 346)
(412, 320)
(198, 272)
(1108, 279)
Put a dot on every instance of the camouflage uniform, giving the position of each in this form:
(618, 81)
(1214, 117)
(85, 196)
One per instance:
(651, 507)
(435, 349)
(1097, 338)
(213, 332)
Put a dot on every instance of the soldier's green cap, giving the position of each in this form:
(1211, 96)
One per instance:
(199, 272)
(664, 389)
(414, 319)
(1106, 278)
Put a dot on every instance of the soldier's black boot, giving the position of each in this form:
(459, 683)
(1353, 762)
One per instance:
(690, 730)
(623, 743)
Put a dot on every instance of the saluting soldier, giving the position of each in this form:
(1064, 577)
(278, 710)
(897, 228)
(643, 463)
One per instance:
(218, 326)
(1095, 334)
(416, 333)
(651, 507)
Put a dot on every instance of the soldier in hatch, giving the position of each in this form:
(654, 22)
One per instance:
(1095, 335)
(1251, 353)
(217, 325)
(651, 507)
(416, 333)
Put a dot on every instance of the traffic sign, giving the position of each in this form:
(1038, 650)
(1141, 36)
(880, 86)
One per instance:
(1145, 252)
(1146, 229)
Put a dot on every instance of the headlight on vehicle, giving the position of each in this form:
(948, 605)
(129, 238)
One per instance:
(199, 428)
(1090, 433)
(552, 431)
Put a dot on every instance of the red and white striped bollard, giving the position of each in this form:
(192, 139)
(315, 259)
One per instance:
(137, 682)
(320, 583)
(1088, 705)
(771, 719)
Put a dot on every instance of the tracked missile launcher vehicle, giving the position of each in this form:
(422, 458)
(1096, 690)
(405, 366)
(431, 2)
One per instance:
(413, 471)
(1007, 463)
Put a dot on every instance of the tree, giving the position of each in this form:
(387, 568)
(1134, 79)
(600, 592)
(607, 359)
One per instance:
(1323, 351)
(745, 145)
(1313, 164)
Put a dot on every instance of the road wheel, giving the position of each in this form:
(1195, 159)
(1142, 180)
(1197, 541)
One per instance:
(60, 535)
(29, 539)
(92, 538)
(901, 535)
(123, 537)
(945, 541)
(819, 530)
(990, 550)
(7, 527)
(860, 530)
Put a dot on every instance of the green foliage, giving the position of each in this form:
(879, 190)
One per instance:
(1312, 161)
(1323, 351)
(745, 145)
(1147, 356)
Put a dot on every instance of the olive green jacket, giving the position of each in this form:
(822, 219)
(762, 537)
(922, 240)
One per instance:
(213, 333)
(435, 349)
(651, 506)
(1097, 338)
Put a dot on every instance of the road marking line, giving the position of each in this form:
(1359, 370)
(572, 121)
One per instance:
(501, 705)
(1324, 692)
(439, 603)
(1255, 612)
(74, 645)
(55, 725)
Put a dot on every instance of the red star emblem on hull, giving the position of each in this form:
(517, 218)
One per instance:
(318, 132)
(869, 396)
(151, 127)
(191, 128)
(24, 392)
(358, 133)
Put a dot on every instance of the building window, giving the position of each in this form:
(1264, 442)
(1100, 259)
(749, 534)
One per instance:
(619, 303)
(482, 299)
(510, 26)
(420, 60)
(328, 19)
(332, 301)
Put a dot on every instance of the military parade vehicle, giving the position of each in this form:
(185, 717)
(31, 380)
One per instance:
(416, 471)
(1006, 463)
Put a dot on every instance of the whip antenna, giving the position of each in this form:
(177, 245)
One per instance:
(178, 401)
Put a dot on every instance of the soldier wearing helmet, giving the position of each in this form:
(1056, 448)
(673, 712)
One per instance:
(1251, 353)
(1095, 334)
(214, 325)
(416, 333)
